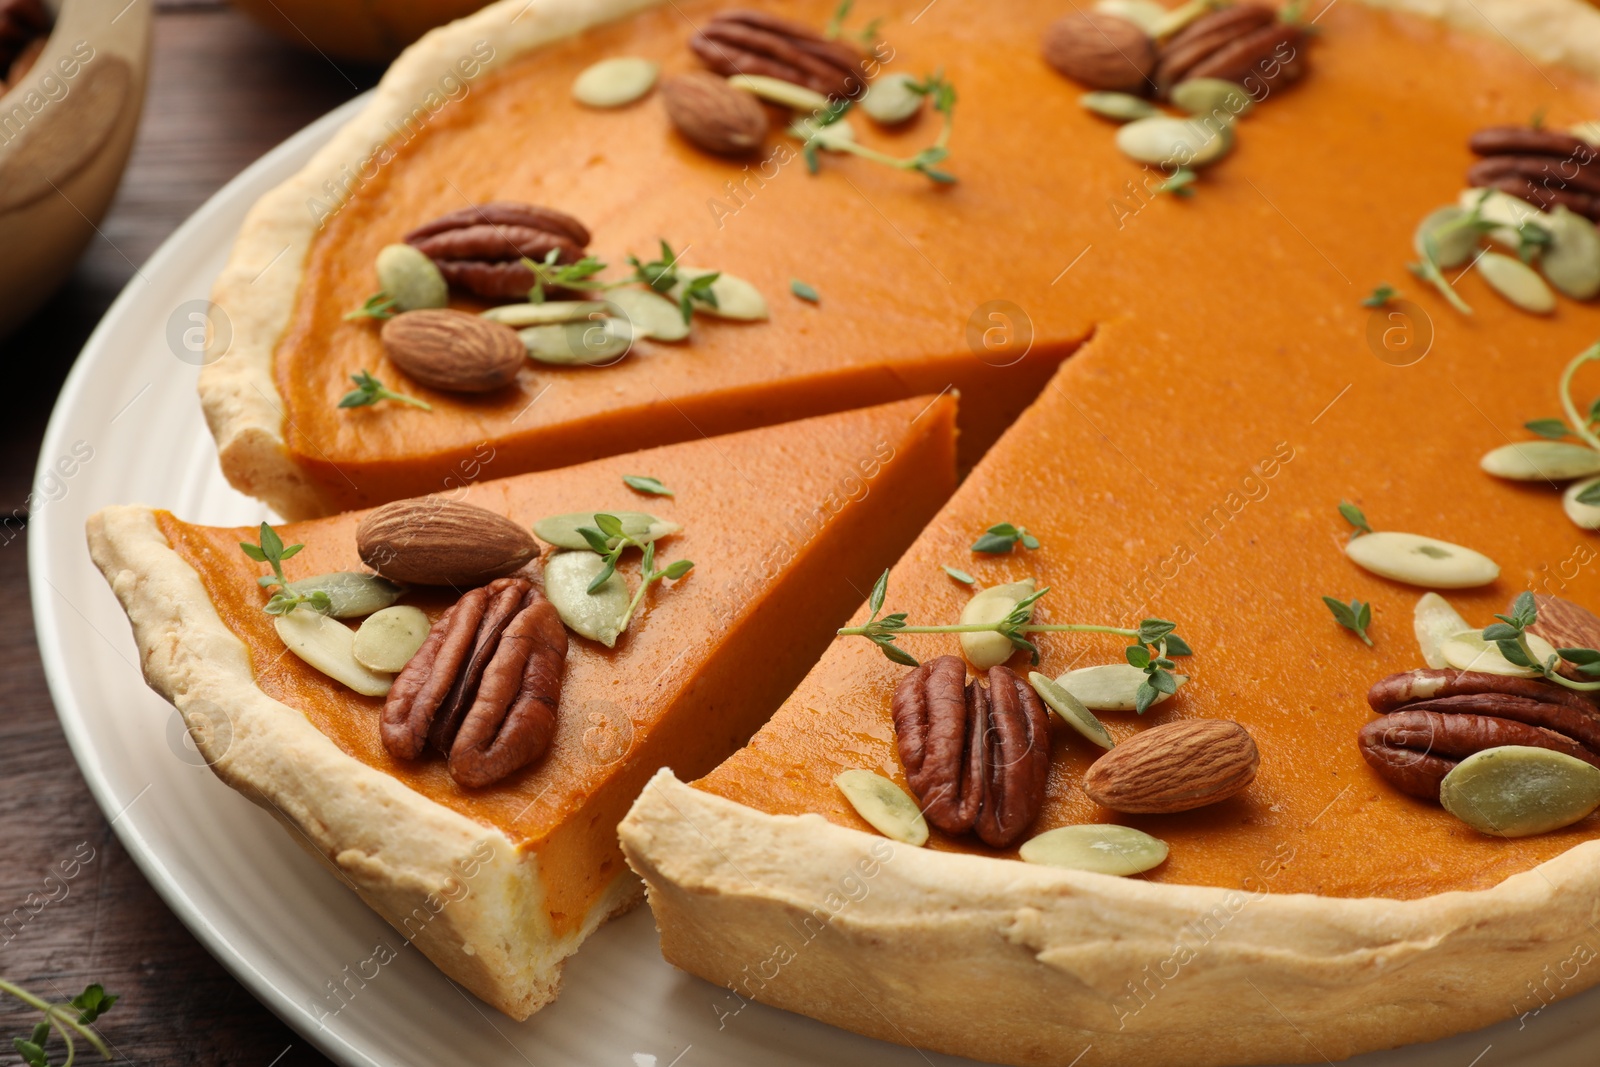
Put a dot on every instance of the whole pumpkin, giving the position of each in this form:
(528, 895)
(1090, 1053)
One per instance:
(357, 30)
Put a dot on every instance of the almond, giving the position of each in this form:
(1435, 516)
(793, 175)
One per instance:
(435, 541)
(713, 114)
(1101, 51)
(1566, 625)
(452, 350)
(1174, 767)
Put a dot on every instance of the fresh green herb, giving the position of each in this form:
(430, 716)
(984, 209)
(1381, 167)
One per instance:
(1003, 537)
(1381, 296)
(1531, 239)
(812, 133)
(649, 574)
(645, 484)
(1536, 120)
(1428, 270)
(1154, 640)
(549, 274)
(959, 575)
(1355, 517)
(1510, 636)
(1355, 616)
(379, 305)
(867, 35)
(661, 275)
(1549, 429)
(271, 551)
(1182, 183)
(1589, 496)
(607, 538)
(804, 291)
(71, 1020)
(369, 390)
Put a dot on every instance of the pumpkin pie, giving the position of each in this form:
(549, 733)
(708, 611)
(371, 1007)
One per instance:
(497, 885)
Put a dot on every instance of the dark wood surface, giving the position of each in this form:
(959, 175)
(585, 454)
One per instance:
(221, 93)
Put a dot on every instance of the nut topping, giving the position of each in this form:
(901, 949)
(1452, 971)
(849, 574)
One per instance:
(1244, 43)
(1546, 168)
(1100, 51)
(1566, 625)
(977, 757)
(754, 42)
(484, 687)
(1174, 767)
(437, 541)
(713, 114)
(480, 249)
(453, 351)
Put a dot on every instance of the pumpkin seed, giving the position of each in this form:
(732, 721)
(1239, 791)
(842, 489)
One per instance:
(1452, 245)
(546, 314)
(388, 639)
(1071, 709)
(889, 809)
(1468, 651)
(1177, 18)
(1517, 282)
(1434, 621)
(326, 645)
(1587, 131)
(830, 136)
(411, 278)
(1119, 107)
(649, 313)
(615, 82)
(1110, 686)
(1511, 212)
(891, 100)
(352, 594)
(588, 344)
(1104, 848)
(1541, 461)
(985, 650)
(1586, 516)
(1145, 14)
(736, 298)
(1165, 141)
(783, 93)
(1422, 561)
(1571, 262)
(597, 615)
(1518, 791)
(562, 530)
(1207, 96)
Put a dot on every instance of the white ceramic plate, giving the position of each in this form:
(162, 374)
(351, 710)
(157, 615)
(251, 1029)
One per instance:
(128, 429)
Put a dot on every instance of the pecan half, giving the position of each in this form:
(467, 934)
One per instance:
(484, 687)
(1430, 720)
(1205, 36)
(1543, 167)
(479, 249)
(754, 42)
(977, 757)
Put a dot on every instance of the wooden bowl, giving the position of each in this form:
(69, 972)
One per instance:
(66, 129)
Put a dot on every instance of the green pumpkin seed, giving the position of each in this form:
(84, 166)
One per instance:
(389, 638)
(830, 136)
(985, 650)
(649, 313)
(1104, 848)
(615, 82)
(411, 278)
(1541, 461)
(1118, 107)
(888, 808)
(1421, 561)
(1071, 710)
(1468, 651)
(891, 100)
(1145, 14)
(1517, 282)
(1208, 96)
(1452, 245)
(1434, 622)
(1571, 262)
(595, 342)
(549, 313)
(1586, 516)
(1511, 212)
(562, 530)
(1517, 791)
(327, 646)
(597, 615)
(1110, 686)
(351, 594)
(736, 298)
(1165, 141)
(780, 92)
(1587, 131)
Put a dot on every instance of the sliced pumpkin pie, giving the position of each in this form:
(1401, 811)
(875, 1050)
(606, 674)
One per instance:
(500, 792)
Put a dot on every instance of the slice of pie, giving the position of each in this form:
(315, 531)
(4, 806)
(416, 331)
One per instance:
(786, 526)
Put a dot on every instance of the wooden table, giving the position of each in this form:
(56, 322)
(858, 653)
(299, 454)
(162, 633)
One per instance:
(221, 93)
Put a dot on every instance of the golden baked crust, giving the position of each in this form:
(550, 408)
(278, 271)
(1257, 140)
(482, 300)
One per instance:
(457, 889)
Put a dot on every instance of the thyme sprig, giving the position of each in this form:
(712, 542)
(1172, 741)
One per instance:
(379, 305)
(75, 1017)
(648, 574)
(1381, 296)
(548, 274)
(1002, 537)
(1355, 616)
(369, 390)
(812, 132)
(609, 540)
(1531, 240)
(273, 552)
(866, 36)
(1154, 640)
(660, 275)
(1510, 636)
